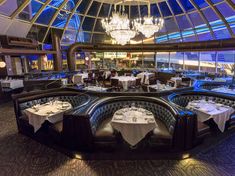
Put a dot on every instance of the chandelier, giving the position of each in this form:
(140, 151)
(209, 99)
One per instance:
(118, 27)
(148, 26)
(122, 29)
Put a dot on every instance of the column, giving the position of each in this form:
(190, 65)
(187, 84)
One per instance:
(216, 62)
(56, 47)
(41, 65)
(199, 63)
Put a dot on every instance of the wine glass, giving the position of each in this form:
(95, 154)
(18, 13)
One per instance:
(125, 106)
(133, 105)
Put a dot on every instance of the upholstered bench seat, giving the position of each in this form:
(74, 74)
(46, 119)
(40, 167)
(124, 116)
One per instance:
(105, 131)
(57, 127)
(160, 135)
(24, 118)
(232, 122)
(202, 129)
(161, 131)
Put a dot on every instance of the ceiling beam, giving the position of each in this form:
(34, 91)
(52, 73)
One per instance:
(221, 17)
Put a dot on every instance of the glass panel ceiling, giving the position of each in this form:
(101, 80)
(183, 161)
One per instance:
(80, 20)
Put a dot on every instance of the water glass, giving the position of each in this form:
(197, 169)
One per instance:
(125, 106)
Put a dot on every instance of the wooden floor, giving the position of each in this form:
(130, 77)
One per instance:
(20, 155)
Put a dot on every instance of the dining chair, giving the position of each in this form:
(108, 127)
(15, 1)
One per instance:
(145, 88)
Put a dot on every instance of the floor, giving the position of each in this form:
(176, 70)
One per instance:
(20, 155)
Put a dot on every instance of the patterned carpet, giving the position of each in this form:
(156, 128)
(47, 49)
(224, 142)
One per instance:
(20, 155)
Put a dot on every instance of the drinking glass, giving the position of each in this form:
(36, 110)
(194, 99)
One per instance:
(125, 106)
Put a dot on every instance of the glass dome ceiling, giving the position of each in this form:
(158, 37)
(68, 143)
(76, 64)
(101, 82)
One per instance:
(80, 20)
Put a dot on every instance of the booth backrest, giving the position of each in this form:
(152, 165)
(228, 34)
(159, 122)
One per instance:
(108, 109)
(74, 100)
(183, 99)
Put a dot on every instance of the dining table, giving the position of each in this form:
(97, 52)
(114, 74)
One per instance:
(133, 123)
(51, 111)
(177, 81)
(161, 87)
(96, 88)
(12, 83)
(106, 74)
(126, 81)
(224, 90)
(206, 110)
(79, 78)
(145, 75)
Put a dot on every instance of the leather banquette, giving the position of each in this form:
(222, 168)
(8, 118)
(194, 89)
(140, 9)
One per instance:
(22, 102)
(92, 128)
(182, 99)
(208, 85)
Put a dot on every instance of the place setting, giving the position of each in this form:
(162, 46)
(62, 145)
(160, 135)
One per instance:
(135, 78)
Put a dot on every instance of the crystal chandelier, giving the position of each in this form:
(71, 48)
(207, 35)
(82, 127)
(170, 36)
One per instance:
(118, 27)
(148, 25)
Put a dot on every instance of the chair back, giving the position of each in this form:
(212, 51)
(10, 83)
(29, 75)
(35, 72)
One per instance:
(138, 82)
(127, 74)
(145, 88)
(152, 81)
(186, 79)
(152, 89)
(114, 82)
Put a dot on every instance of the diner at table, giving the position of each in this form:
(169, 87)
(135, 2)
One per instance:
(206, 110)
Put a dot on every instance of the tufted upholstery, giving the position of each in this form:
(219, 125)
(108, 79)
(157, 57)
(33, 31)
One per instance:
(107, 111)
(73, 100)
(208, 85)
(183, 100)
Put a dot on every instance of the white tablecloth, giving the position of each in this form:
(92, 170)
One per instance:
(13, 84)
(177, 81)
(223, 79)
(126, 81)
(224, 90)
(106, 74)
(53, 112)
(147, 76)
(161, 87)
(78, 78)
(96, 88)
(210, 110)
(133, 123)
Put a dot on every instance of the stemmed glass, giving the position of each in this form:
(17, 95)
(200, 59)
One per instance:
(125, 106)
(133, 106)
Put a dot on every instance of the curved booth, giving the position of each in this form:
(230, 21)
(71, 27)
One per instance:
(90, 126)
(27, 100)
(182, 99)
(87, 126)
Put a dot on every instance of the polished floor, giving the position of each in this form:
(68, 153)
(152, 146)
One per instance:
(20, 155)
